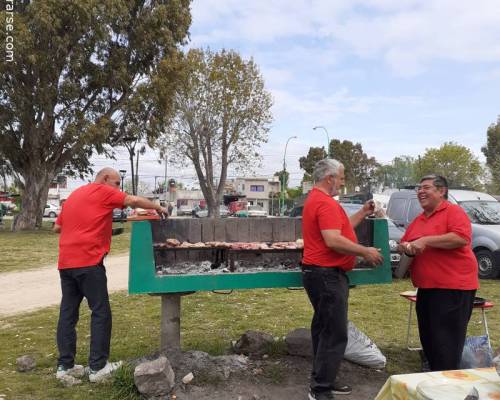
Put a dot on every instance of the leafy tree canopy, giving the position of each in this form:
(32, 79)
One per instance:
(492, 153)
(399, 173)
(359, 167)
(222, 116)
(307, 163)
(453, 161)
(75, 69)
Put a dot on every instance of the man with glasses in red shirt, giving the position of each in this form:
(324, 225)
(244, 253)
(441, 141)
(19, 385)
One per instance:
(444, 270)
(330, 250)
(85, 225)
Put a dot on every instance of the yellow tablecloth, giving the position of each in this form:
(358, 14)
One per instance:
(404, 387)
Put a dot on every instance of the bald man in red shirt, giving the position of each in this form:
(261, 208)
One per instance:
(85, 227)
(444, 270)
(330, 250)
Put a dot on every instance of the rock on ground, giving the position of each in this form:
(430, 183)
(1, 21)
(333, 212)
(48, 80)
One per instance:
(253, 343)
(154, 378)
(68, 381)
(25, 363)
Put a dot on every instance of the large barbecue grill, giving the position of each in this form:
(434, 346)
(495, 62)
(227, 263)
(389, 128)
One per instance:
(173, 271)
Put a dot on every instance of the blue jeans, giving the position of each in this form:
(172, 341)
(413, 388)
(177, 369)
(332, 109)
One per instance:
(91, 283)
(328, 291)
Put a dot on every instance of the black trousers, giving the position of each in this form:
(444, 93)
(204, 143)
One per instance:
(443, 316)
(328, 291)
(91, 283)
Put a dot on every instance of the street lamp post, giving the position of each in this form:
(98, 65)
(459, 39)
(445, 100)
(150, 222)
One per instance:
(283, 176)
(327, 138)
(123, 172)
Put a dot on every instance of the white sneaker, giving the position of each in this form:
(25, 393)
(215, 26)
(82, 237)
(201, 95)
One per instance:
(78, 371)
(105, 372)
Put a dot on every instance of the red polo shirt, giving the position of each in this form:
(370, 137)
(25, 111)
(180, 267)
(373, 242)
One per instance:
(322, 212)
(443, 268)
(86, 223)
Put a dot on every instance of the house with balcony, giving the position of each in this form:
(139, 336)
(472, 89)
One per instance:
(258, 190)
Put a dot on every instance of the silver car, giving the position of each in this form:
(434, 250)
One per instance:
(485, 219)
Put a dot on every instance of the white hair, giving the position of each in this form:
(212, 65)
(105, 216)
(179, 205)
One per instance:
(325, 167)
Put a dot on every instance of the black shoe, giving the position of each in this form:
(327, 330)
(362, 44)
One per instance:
(339, 388)
(328, 395)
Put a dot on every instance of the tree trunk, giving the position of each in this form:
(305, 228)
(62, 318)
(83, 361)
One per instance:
(34, 199)
(213, 206)
(137, 174)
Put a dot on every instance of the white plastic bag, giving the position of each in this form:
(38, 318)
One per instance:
(361, 350)
(477, 353)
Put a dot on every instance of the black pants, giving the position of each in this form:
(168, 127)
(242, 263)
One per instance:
(328, 291)
(91, 283)
(443, 316)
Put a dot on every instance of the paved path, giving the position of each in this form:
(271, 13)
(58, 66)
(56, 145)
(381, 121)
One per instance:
(27, 291)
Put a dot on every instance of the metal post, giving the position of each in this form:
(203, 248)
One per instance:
(170, 328)
(122, 176)
(327, 138)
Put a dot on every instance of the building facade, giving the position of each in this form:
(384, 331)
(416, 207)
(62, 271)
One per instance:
(259, 190)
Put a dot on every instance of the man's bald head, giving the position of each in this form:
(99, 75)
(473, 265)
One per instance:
(108, 176)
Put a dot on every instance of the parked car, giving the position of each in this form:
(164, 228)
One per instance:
(256, 211)
(184, 210)
(119, 215)
(483, 211)
(395, 233)
(199, 212)
(51, 211)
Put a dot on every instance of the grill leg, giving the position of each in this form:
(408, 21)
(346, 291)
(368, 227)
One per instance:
(170, 329)
(485, 325)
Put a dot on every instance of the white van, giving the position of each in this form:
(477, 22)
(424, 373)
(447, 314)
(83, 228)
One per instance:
(483, 211)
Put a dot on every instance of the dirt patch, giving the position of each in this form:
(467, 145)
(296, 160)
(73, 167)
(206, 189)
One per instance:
(286, 377)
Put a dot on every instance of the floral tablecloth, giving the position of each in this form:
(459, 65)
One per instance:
(453, 383)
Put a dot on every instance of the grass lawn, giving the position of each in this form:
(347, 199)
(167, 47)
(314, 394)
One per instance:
(33, 249)
(209, 322)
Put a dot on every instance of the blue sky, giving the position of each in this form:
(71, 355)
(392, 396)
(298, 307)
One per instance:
(398, 76)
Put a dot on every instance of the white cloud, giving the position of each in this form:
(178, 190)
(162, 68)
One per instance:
(407, 35)
(331, 106)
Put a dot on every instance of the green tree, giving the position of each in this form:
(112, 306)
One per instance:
(284, 176)
(75, 68)
(455, 162)
(293, 193)
(399, 173)
(146, 113)
(492, 153)
(306, 163)
(359, 167)
(223, 113)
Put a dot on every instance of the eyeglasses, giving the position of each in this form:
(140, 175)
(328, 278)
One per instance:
(425, 188)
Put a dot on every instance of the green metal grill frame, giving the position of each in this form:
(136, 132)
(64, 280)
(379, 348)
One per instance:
(143, 278)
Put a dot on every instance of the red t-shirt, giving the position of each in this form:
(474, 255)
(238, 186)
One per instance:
(86, 223)
(322, 212)
(443, 268)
